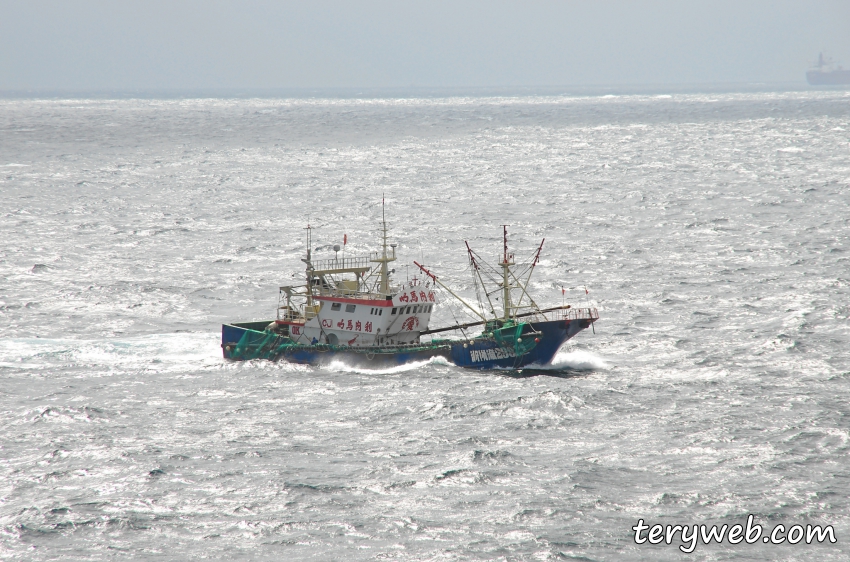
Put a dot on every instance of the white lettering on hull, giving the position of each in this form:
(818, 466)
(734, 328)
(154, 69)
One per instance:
(479, 355)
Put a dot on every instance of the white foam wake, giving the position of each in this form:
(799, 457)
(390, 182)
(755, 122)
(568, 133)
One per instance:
(160, 352)
(577, 360)
(341, 366)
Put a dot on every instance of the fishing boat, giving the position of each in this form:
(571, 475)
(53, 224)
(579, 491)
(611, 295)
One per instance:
(350, 310)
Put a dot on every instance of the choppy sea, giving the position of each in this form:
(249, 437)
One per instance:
(710, 231)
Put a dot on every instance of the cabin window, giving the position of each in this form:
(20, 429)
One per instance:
(336, 306)
(394, 311)
(408, 310)
(381, 312)
(350, 307)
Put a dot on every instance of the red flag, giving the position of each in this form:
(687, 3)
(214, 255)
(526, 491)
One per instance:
(344, 239)
(585, 291)
(563, 291)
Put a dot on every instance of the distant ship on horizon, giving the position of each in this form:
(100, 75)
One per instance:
(827, 73)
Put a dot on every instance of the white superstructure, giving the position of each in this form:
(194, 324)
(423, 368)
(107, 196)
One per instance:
(351, 302)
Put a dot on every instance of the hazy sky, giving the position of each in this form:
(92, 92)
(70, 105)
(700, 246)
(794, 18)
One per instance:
(212, 44)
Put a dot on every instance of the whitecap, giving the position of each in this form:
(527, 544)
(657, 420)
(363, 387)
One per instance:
(577, 360)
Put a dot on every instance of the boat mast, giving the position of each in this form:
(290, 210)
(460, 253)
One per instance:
(308, 261)
(523, 285)
(506, 270)
(384, 259)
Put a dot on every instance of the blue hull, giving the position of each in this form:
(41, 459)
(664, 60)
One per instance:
(487, 354)
(322, 354)
(479, 353)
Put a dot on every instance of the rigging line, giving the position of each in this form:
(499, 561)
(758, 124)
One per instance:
(443, 285)
(490, 274)
(451, 310)
(527, 268)
(479, 288)
(493, 279)
(472, 266)
(523, 287)
(477, 277)
(477, 291)
(456, 321)
(497, 283)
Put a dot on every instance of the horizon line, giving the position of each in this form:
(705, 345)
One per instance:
(394, 91)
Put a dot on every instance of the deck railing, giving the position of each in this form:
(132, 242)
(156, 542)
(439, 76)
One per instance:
(565, 314)
(340, 263)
